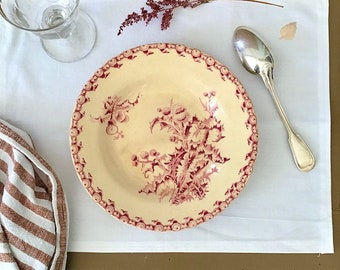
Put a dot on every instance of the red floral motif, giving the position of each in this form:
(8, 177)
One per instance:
(116, 112)
(184, 174)
(145, 49)
(114, 63)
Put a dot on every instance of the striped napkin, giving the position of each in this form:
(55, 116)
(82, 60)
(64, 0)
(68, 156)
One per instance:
(33, 210)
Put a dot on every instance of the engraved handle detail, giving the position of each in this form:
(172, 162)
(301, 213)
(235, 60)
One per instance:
(303, 156)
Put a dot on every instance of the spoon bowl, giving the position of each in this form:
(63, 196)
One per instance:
(256, 57)
(252, 51)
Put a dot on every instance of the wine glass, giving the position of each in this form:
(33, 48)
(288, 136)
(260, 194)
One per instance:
(67, 34)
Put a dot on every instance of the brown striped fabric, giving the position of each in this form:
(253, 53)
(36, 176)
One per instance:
(33, 210)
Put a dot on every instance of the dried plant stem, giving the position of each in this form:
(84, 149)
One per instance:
(166, 9)
(261, 2)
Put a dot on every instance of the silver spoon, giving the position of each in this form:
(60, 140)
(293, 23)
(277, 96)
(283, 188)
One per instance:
(257, 59)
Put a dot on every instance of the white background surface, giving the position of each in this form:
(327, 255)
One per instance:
(280, 210)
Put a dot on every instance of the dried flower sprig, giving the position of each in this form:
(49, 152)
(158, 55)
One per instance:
(166, 9)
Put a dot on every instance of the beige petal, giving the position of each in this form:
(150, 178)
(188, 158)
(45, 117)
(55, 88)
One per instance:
(288, 31)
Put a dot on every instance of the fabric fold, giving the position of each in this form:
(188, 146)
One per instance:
(33, 208)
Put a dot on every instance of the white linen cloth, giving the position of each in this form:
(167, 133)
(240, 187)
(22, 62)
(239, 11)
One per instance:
(280, 210)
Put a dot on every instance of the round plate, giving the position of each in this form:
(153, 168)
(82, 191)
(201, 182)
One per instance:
(163, 137)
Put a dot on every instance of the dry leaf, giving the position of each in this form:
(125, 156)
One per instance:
(288, 31)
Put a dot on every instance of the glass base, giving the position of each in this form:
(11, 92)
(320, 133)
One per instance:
(77, 45)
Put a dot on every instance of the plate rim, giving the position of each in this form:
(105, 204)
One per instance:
(97, 194)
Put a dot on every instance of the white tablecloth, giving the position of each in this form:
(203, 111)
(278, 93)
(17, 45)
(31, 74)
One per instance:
(280, 210)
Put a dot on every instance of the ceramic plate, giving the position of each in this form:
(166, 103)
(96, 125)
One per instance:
(163, 137)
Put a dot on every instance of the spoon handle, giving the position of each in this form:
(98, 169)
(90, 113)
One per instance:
(303, 156)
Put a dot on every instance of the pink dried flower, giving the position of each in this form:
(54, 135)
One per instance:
(166, 9)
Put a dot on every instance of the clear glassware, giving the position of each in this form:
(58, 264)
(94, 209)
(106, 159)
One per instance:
(67, 34)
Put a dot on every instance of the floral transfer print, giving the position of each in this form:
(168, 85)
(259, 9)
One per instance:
(184, 174)
(116, 112)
